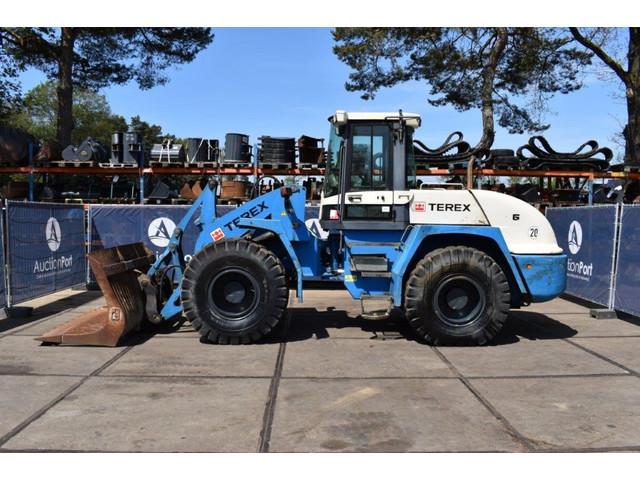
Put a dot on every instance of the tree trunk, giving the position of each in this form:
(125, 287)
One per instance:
(632, 129)
(488, 78)
(65, 86)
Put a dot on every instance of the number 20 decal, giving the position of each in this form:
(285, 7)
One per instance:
(533, 232)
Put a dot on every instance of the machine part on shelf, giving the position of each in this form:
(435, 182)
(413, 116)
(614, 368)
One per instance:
(92, 150)
(311, 152)
(632, 192)
(126, 149)
(454, 148)
(162, 191)
(313, 187)
(118, 272)
(50, 150)
(527, 192)
(261, 186)
(69, 153)
(15, 190)
(234, 189)
(565, 197)
(537, 153)
(237, 148)
(48, 194)
(14, 146)
(454, 260)
(201, 150)
(625, 167)
(192, 189)
(89, 151)
(311, 156)
(306, 141)
(501, 159)
(186, 192)
(117, 153)
(277, 152)
(168, 152)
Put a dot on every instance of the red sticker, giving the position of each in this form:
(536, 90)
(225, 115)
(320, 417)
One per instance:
(217, 234)
(420, 207)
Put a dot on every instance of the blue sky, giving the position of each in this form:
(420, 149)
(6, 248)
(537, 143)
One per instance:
(287, 81)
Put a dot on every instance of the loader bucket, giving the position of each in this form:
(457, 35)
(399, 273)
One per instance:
(116, 270)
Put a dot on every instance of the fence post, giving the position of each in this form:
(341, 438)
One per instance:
(8, 259)
(88, 249)
(616, 254)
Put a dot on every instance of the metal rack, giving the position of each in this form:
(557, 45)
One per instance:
(588, 176)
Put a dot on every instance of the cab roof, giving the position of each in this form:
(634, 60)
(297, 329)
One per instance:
(341, 117)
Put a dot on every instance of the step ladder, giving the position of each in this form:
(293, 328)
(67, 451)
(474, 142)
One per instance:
(376, 307)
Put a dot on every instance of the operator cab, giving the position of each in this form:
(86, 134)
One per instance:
(370, 169)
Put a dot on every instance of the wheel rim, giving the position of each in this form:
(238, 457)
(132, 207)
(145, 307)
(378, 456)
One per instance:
(233, 293)
(459, 300)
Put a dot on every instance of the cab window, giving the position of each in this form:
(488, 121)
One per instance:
(334, 158)
(370, 166)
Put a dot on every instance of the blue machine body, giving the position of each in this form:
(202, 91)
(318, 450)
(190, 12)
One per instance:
(533, 278)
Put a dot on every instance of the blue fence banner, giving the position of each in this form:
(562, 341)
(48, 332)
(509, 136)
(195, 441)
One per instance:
(3, 280)
(113, 225)
(627, 290)
(587, 236)
(153, 225)
(45, 248)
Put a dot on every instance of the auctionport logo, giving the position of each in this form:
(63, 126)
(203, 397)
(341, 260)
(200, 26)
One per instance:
(577, 269)
(53, 265)
(575, 237)
(160, 231)
(53, 234)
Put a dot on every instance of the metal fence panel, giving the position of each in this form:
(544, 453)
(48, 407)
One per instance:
(45, 248)
(112, 225)
(3, 294)
(587, 235)
(627, 285)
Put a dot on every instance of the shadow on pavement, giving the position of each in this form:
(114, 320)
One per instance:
(532, 326)
(309, 323)
(49, 309)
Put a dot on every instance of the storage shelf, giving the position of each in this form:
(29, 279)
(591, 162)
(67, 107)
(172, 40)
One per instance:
(308, 172)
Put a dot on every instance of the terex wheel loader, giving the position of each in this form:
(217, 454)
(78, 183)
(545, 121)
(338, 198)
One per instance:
(455, 261)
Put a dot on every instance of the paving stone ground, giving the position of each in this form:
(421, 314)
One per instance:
(554, 380)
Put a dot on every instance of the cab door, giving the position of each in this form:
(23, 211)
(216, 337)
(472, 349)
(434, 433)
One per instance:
(368, 193)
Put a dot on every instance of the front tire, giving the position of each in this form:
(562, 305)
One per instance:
(457, 296)
(234, 291)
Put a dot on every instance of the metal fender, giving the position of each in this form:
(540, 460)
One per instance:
(524, 228)
(414, 236)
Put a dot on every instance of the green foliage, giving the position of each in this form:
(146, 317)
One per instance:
(618, 50)
(535, 63)
(94, 58)
(10, 99)
(149, 133)
(106, 56)
(91, 112)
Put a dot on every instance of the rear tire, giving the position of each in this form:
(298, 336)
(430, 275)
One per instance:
(457, 296)
(234, 291)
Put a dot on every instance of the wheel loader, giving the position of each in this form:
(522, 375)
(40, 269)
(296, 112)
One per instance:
(453, 260)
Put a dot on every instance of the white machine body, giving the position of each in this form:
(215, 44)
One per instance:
(524, 229)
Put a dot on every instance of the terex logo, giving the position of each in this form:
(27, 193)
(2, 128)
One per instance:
(53, 234)
(252, 212)
(575, 237)
(449, 207)
(160, 231)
